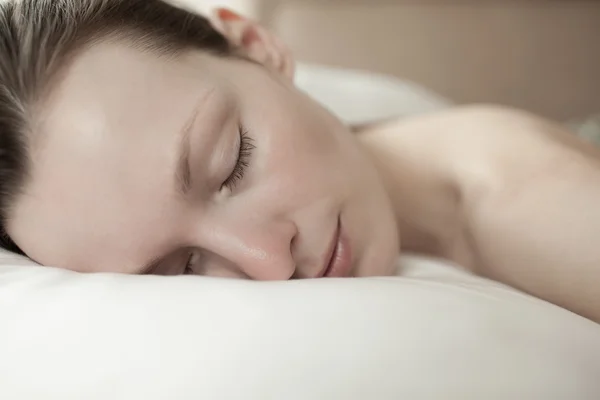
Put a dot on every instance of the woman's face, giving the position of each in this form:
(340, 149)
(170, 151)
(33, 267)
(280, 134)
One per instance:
(200, 165)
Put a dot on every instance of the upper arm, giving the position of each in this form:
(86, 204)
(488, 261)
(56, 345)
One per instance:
(524, 208)
(532, 216)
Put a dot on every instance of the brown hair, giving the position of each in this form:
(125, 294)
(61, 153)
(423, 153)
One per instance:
(37, 37)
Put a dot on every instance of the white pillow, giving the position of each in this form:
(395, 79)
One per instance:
(435, 333)
(359, 96)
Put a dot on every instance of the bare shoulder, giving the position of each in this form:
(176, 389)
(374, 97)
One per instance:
(471, 127)
(482, 142)
(530, 189)
(490, 156)
(518, 146)
(481, 146)
(475, 142)
(455, 114)
(482, 120)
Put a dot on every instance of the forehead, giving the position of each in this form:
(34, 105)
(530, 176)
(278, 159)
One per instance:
(103, 153)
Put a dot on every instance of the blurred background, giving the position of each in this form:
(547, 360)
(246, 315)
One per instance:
(539, 55)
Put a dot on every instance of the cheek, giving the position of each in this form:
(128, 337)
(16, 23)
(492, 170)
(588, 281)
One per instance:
(217, 268)
(299, 177)
(302, 152)
(295, 128)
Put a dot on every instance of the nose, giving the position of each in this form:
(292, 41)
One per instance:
(259, 250)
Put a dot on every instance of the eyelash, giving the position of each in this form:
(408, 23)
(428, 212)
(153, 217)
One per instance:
(243, 161)
(191, 260)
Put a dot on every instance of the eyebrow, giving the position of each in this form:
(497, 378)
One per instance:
(183, 173)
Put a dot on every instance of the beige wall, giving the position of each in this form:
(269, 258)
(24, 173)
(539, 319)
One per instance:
(541, 55)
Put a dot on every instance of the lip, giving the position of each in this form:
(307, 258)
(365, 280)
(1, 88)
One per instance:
(339, 257)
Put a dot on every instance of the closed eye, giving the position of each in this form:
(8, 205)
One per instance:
(189, 264)
(246, 148)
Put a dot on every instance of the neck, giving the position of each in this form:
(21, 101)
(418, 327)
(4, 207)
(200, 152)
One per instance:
(424, 200)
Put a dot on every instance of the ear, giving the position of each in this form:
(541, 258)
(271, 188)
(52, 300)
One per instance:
(256, 42)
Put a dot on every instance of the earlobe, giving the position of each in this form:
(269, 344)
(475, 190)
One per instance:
(256, 42)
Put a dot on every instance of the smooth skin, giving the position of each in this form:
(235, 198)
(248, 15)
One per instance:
(502, 192)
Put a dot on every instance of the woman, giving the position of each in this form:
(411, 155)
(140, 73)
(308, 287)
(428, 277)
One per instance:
(140, 138)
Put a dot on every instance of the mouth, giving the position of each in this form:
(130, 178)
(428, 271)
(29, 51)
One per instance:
(339, 260)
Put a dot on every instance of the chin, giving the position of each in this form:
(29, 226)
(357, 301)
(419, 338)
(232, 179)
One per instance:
(390, 267)
(384, 262)
(381, 270)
